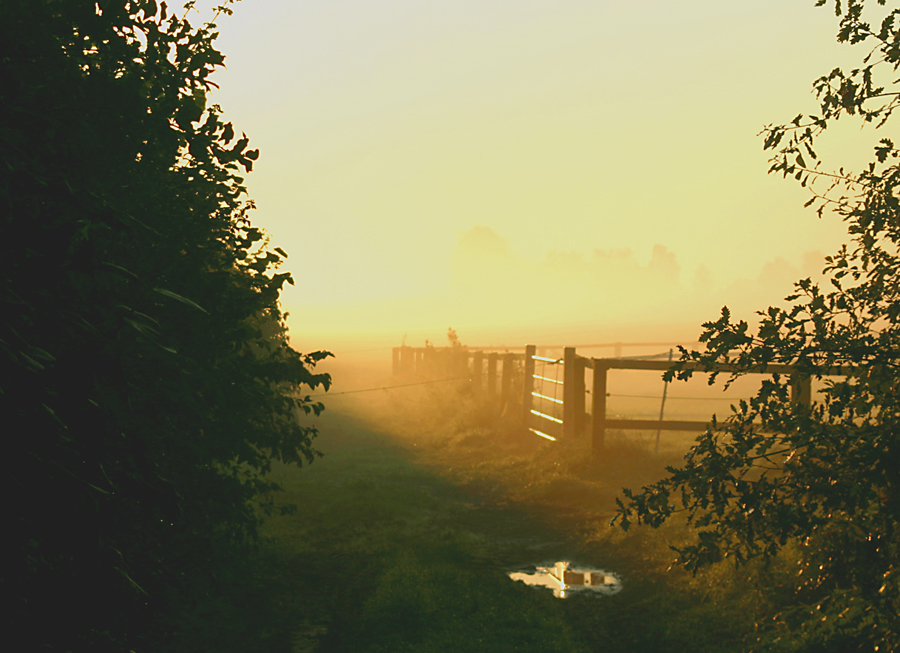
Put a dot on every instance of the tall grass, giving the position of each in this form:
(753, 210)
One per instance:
(427, 497)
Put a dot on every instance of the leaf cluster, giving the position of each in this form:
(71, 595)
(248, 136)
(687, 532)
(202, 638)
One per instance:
(146, 381)
(823, 477)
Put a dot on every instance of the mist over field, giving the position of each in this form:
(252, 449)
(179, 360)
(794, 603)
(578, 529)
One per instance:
(451, 325)
(520, 171)
(498, 296)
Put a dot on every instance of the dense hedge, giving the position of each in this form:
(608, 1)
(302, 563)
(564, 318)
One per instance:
(145, 379)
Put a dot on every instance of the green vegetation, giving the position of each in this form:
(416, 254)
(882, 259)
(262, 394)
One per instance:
(822, 482)
(426, 498)
(384, 556)
(147, 389)
(146, 384)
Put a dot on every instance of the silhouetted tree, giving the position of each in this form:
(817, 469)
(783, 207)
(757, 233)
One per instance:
(824, 479)
(146, 383)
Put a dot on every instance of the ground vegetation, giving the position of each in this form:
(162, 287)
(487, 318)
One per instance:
(428, 495)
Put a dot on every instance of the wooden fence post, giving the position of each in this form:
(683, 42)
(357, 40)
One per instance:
(528, 385)
(407, 364)
(477, 371)
(662, 404)
(801, 389)
(580, 365)
(492, 374)
(506, 378)
(569, 391)
(598, 408)
(428, 362)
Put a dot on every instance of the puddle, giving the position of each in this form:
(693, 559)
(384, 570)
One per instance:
(567, 578)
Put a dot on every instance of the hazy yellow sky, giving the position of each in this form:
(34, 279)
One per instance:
(513, 166)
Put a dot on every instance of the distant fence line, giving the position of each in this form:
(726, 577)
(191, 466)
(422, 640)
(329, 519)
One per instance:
(553, 390)
(422, 360)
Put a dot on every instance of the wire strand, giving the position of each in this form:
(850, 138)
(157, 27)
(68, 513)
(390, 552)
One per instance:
(389, 387)
(609, 394)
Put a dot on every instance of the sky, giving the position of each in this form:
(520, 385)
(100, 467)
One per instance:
(523, 169)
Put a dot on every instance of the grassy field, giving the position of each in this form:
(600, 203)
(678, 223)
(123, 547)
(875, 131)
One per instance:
(424, 501)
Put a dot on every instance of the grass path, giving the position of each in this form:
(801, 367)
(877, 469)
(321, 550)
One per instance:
(395, 557)
(403, 544)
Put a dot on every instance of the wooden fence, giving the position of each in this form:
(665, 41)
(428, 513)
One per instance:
(483, 367)
(553, 390)
(801, 391)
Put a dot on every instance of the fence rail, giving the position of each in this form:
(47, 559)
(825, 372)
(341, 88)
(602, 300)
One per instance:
(554, 400)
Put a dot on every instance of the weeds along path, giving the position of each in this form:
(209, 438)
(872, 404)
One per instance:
(385, 555)
(405, 530)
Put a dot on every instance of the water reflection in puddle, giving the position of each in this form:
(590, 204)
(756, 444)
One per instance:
(566, 578)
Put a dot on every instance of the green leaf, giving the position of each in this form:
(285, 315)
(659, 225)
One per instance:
(177, 297)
